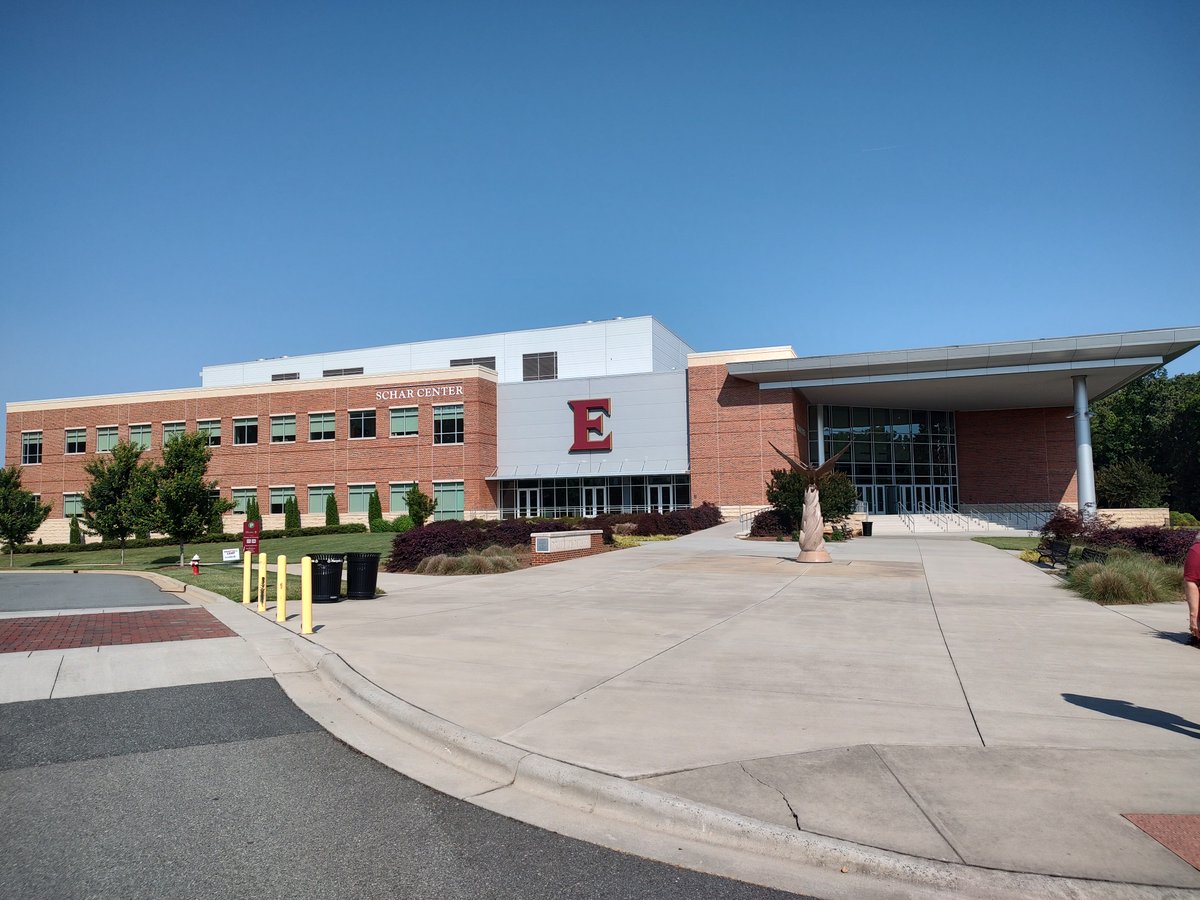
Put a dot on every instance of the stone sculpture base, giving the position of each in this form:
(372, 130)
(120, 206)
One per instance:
(814, 556)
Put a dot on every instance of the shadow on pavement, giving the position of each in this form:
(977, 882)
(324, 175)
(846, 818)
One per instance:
(1146, 715)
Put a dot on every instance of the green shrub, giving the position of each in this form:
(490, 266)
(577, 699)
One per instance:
(291, 515)
(1183, 520)
(1130, 484)
(402, 523)
(331, 512)
(252, 512)
(420, 506)
(76, 539)
(374, 508)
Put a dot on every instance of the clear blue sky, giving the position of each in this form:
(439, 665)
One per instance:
(192, 183)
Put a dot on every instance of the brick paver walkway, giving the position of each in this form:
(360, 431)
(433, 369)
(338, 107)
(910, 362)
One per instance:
(102, 629)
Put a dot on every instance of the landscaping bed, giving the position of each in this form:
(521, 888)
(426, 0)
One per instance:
(461, 547)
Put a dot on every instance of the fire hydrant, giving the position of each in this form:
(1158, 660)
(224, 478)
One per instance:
(196, 564)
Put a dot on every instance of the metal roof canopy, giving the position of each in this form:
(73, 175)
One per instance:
(1006, 375)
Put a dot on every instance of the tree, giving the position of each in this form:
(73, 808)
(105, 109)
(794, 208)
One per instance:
(252, 513)
(291, 514)
(186, 502)
(1130, 484)
(76, 536)
(420, 506)
(20, 512)
(331, 512)
(374, 512)
(1154, 420)
(785, 492)
(120, 500)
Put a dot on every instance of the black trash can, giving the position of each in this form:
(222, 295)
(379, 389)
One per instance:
(362, 571)
(327, 579)
(867, 526)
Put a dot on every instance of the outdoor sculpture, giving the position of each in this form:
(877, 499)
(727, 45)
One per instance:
(812, 528)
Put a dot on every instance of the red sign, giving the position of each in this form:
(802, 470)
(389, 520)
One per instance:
(250, 537)
(587, 425)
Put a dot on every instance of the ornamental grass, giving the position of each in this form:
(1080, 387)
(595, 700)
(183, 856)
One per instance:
(1127, 577)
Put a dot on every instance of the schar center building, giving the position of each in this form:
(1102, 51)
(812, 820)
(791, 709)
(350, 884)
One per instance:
(617, 415)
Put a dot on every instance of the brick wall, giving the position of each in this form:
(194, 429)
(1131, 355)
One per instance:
(1016, 456)
(339, 462)
(730, 422)
(596, 545)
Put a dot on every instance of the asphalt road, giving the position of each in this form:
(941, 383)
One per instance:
(40, 591)
(229, 790)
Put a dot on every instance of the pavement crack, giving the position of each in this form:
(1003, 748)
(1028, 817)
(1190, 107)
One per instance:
(946, 643)
(928, 818)
(57, 670)
(783, 796)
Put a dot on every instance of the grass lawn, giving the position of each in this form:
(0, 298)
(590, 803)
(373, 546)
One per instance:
(1010, 543)
(220, 579)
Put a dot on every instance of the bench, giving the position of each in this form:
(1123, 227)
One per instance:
(1096, 556)
(1054, 553)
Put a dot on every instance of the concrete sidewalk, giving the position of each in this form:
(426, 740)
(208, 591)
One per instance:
(929, 696)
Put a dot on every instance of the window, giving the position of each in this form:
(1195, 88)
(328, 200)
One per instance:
(333, 373)
(362, 423)
(486, 361)
(448, 424)
(318, 496)
(360, 497)
(72, 505)
(76, 440)
(106, 438)
(403, 421)
(245, 431)
(449, 497)
(139, 436)
(242, 496)
(283, 429)
(286, 376)
(321, 427)
(539, 366)
(172, 430)
(31, 448)
(397, 504)
(279, 496)
(212, 428)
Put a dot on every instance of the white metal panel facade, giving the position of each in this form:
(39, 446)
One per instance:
(648, 424)
(611, 347)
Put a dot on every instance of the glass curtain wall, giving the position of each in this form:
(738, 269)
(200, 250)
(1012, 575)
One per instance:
(900, 459)
(556, 498)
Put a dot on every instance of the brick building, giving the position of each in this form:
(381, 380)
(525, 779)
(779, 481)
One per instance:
(614, 415)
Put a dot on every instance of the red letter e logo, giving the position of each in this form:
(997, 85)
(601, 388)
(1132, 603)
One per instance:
(586, 425)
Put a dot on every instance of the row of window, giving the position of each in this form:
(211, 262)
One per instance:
(448, 428)
(534, 367)
(448, 494)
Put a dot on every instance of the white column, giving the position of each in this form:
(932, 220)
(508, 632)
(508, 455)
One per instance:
(820, 434)
(1085, 475)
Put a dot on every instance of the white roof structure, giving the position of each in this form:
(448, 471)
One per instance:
(622, 346)
(1008, 374)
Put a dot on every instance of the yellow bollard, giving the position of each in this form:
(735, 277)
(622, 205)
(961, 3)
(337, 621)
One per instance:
(247, 563)
(262, 582)
(281, 589)
(306, 595)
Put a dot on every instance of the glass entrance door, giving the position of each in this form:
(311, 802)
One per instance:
(527, 503)
(594, 501)
(659, 497)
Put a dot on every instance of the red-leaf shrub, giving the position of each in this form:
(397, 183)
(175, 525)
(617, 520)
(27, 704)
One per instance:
(1069, 524)
(1169, 545)
(771, 523)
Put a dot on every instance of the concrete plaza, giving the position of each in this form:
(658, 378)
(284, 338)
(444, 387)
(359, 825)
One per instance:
(927, 695)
